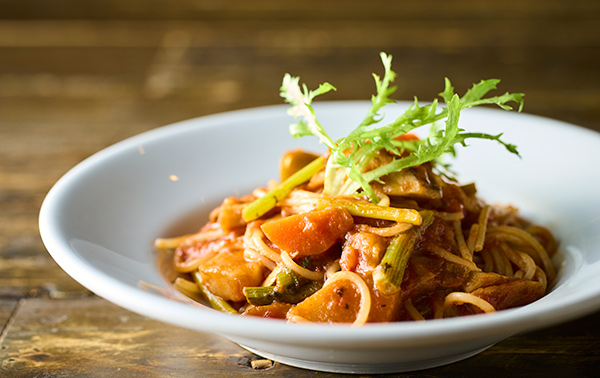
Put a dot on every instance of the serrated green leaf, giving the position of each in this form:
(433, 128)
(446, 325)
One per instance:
(351, 155)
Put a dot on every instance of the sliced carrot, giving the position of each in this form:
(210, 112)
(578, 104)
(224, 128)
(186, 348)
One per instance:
(309, 233)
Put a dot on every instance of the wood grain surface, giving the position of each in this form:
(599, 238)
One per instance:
(77, 76)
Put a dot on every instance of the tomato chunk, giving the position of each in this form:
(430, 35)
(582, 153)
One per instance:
(309, 233)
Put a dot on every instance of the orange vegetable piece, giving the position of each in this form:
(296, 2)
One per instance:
(337, 303)
(349, 259)
(309, 233)
(294, 160)
(228, 272)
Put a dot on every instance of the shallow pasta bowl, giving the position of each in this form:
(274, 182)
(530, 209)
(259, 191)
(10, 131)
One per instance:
(100, 220)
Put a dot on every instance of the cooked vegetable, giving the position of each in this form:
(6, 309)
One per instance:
(302, 201)
(309, 233)
(345, 298)
(370, 210)
(288, 289)
(215, 301)
(390, 271)
(228, 272)
(262, 205)
(293, 161)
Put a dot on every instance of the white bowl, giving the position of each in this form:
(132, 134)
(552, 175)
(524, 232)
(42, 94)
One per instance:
(99, 222)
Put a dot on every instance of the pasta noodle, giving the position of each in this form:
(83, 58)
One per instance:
(523, 238)
(253, 239)
(439, 251)
(481, 228)
(396, 229)
(414, 313)
(460, 241)
(458, 298)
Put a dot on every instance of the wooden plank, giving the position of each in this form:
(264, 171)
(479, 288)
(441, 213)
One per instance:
(304, 34)
(196, 86)
(91, 337)
(36, 275)
(567, 350)
(269, 9)
(226, 64)
(7, 307)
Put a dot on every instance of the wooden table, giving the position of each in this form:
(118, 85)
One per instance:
(76, 77)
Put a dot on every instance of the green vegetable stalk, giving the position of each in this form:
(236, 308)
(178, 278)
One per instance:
(286, 280)
(262, 205)
(264, 295)
(371, 210)
(389, 273)
(260, 295)
(287, 288)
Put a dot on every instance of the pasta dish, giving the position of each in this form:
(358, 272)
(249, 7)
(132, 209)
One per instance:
(377, 229)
